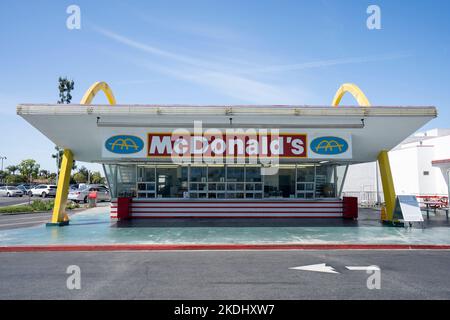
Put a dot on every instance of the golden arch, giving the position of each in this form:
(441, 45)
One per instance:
(329, 145)
(124, 144)
(94, 89)
(59, 217)
(383, 157)
(355, 91)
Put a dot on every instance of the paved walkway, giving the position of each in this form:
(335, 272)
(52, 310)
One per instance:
(93, 227)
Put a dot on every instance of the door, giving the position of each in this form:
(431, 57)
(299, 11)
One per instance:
(285, 186)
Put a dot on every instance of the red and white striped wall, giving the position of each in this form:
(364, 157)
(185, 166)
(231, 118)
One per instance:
(159, 208)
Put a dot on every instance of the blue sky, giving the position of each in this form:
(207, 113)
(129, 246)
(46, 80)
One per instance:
(219, 52)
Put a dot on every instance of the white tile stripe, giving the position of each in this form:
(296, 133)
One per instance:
(138, 215)
(238, 205)
(225, 210)
(234, 209)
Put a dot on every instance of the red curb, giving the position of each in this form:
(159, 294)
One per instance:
(161, 247)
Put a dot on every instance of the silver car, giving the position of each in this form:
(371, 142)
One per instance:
(10, 191)
(43, 190)
(82, 195)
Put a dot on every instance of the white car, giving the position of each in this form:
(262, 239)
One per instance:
(82, 195)
(43, 190)
(10, 191)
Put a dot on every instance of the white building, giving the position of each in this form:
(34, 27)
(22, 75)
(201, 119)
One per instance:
(420, 166)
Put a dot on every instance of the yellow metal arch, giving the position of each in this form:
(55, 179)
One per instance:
(383, 158)
(60, 217)
(355, 91)
(94, 89)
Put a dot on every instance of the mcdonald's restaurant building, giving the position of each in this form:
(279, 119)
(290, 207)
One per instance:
(226, 161)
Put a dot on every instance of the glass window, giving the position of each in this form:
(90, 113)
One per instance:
(171, 180)
(340, 178)
(110, 174)
(305, 173)
(198, 174)
(235, 174)
(325, 184)
(253, 174)
(146, 173)
(286, 181)
(305, 181)
(126, 180)
(216, 174)
(271, 187)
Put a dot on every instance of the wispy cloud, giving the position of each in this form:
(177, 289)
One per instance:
(193, 28)
(329, 63)
(206, 73)
(231, 79)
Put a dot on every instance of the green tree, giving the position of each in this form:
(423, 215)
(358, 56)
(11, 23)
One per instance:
(79, 177)
(52, 178)
(44, 173)
(14, 179)
(28, 168)
(97, 178)
(12, 169)
(84, 171)
(58, 159)
(65, 87)
(82, 176)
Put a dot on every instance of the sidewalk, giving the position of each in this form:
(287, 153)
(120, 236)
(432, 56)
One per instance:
(94, 227)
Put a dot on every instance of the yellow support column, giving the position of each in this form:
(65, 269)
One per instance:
(60, 217)
(388, 185)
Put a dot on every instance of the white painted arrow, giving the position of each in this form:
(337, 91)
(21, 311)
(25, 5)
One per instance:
(363, 268)
(321, 267)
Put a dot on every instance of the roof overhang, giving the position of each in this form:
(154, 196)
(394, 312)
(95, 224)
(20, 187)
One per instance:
(443, 163)
(82, 128)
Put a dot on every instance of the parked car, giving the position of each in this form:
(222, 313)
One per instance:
(75, 186)
(10, 191)
(81, 195)
(43, 190)
(25, 188)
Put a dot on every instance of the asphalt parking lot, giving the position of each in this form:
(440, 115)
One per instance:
(14, 221)
(224, 275)
(9, 201)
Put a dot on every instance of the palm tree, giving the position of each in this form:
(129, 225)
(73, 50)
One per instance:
(44, 173)
(12, 169)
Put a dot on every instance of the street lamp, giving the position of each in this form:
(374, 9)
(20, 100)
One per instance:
(3, 158)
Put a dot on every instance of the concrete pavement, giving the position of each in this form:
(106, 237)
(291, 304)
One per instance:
(224, 275)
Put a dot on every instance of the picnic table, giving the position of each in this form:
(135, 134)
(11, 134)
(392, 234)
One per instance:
(434, 205)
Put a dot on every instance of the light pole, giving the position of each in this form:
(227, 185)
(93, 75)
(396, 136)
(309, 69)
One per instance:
(3, 158)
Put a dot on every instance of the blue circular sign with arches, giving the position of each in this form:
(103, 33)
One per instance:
(124, 144)
(329, 145)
